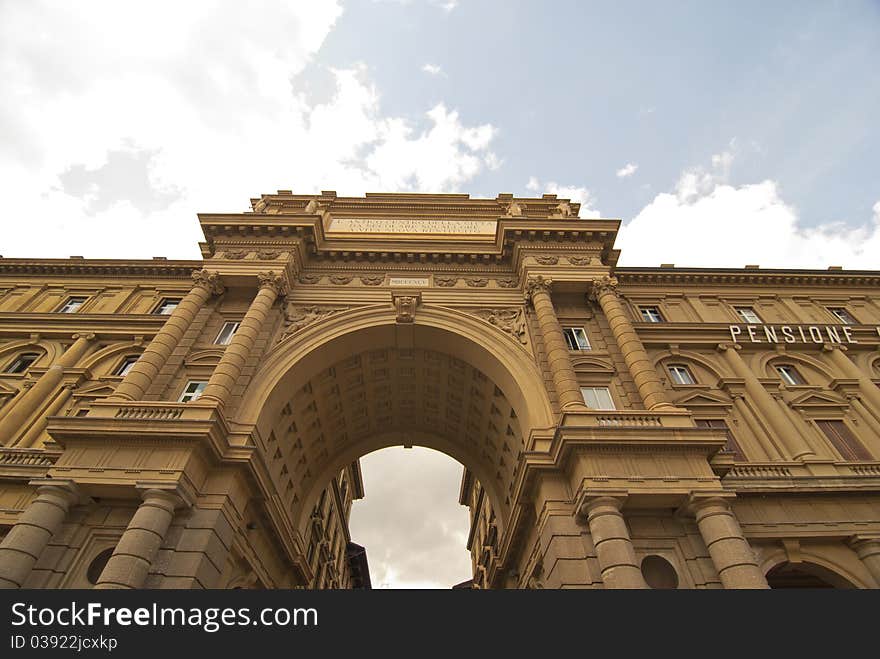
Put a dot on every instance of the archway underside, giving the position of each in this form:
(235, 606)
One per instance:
(388, 396)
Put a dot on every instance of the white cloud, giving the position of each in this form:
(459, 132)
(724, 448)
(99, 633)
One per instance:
(418, 540)
(708, 222)
(206, 122)
(446, 5)
(432, 69)
(579, 194)
(627, 170)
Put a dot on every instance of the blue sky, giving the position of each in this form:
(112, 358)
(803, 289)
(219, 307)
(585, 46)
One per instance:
(720, 133)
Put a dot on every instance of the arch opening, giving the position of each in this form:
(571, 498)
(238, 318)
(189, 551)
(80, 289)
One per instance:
(805, 575)
(358, 383)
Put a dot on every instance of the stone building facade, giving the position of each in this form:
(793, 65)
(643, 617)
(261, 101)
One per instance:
(197, 424)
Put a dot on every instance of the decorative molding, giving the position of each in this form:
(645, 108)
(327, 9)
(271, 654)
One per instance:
(538, 284)
(580, 260)
(372, 280)
(509, 320)
(406, 307)
(602, 286)
(547, 260)
(506, 282)
(271, 280)
(268, 255)
(309, 279)
(445, 281)
(209, 280)
(477, 282)
(235, 254)
(340, 280)
(299, 317)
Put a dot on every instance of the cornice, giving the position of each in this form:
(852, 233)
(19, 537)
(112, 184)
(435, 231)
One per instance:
(100, 267)
(739, 277)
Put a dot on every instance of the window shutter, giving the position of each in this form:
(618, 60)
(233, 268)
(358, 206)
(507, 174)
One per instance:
(844, 441)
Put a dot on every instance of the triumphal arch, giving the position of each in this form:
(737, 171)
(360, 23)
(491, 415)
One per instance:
(198, 424)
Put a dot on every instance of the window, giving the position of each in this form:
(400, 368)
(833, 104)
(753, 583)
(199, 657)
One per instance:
(598, 398)
(844, 441)
(747, 314)
(126, 365)
(789, 374)
(576, 338)
(681, 374)
(22, 363)
(843, 315)
(225, 335)
(651, 314)
(194, 389)
(167, 306)
(732, 446)
(72, 305)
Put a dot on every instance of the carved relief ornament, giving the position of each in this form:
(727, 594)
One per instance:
(510, 320)
(445, 281)
(406, 308)
(580, 260)
(298, 317)
(209, 280)
(340, 280)
(274, 281)
(538, 284)
(602, 286)
(372, 280)
(547, 260)
(477, 282)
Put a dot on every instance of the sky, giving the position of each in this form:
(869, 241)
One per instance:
(750, 122)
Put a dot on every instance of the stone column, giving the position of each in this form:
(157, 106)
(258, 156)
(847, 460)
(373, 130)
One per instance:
(34, 397)
(131, 560)
(730, 551)
(614, 548)
(770, 451)
(637, 361)
(564, 378)
(870, 391)
(21, 549)
(769, 409)
(36, 429)
(234, 358)
(135, 384)
(867, 548)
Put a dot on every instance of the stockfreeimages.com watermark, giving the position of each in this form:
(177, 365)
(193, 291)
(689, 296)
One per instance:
(208, 619)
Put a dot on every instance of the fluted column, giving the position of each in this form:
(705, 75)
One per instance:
(136, 382)
(870, 391)
(637, 361)
(227, 372)
(730, 551)
(133, 557)
(614, 548)
(564, 378)
(868, 550)
(763, 401)
(22, 547)
(31, 400)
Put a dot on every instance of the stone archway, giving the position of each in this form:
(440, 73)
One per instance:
(357, 381)
(806, 575)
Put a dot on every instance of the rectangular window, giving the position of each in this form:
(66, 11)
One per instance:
(651, 314)
(576, 338)
(194, 389)
(789, 374)
(598, 398)
(167, 306)
(22, 363)
(72, 305)
(748, 314)
(844, 441)
(225, 335)
(843, 315)
(681, 374)
(732, 446)
(126, 365)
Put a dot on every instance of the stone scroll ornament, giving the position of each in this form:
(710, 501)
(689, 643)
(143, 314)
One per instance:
(297, 318)
(510, 321)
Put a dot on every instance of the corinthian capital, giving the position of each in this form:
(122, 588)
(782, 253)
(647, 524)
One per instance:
(538, 284)
(276, 282)
(208, 280)
(602, 286)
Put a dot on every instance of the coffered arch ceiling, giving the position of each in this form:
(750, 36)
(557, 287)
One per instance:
(358, 381)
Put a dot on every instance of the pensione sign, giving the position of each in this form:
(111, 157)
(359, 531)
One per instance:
(793, 334)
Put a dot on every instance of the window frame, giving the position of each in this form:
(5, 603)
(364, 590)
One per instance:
(849, 320)
(157, 311)
(8, 370)
(671, 369)
(798, 379)
(733, 446)
(237, 324)
(573, 330)
(128, 360)
(645, 312)
(70, 299)
(193, 395)
(744, 311)
(846, 443)
(607, 390)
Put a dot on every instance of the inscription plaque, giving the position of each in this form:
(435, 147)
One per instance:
(394, 225)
